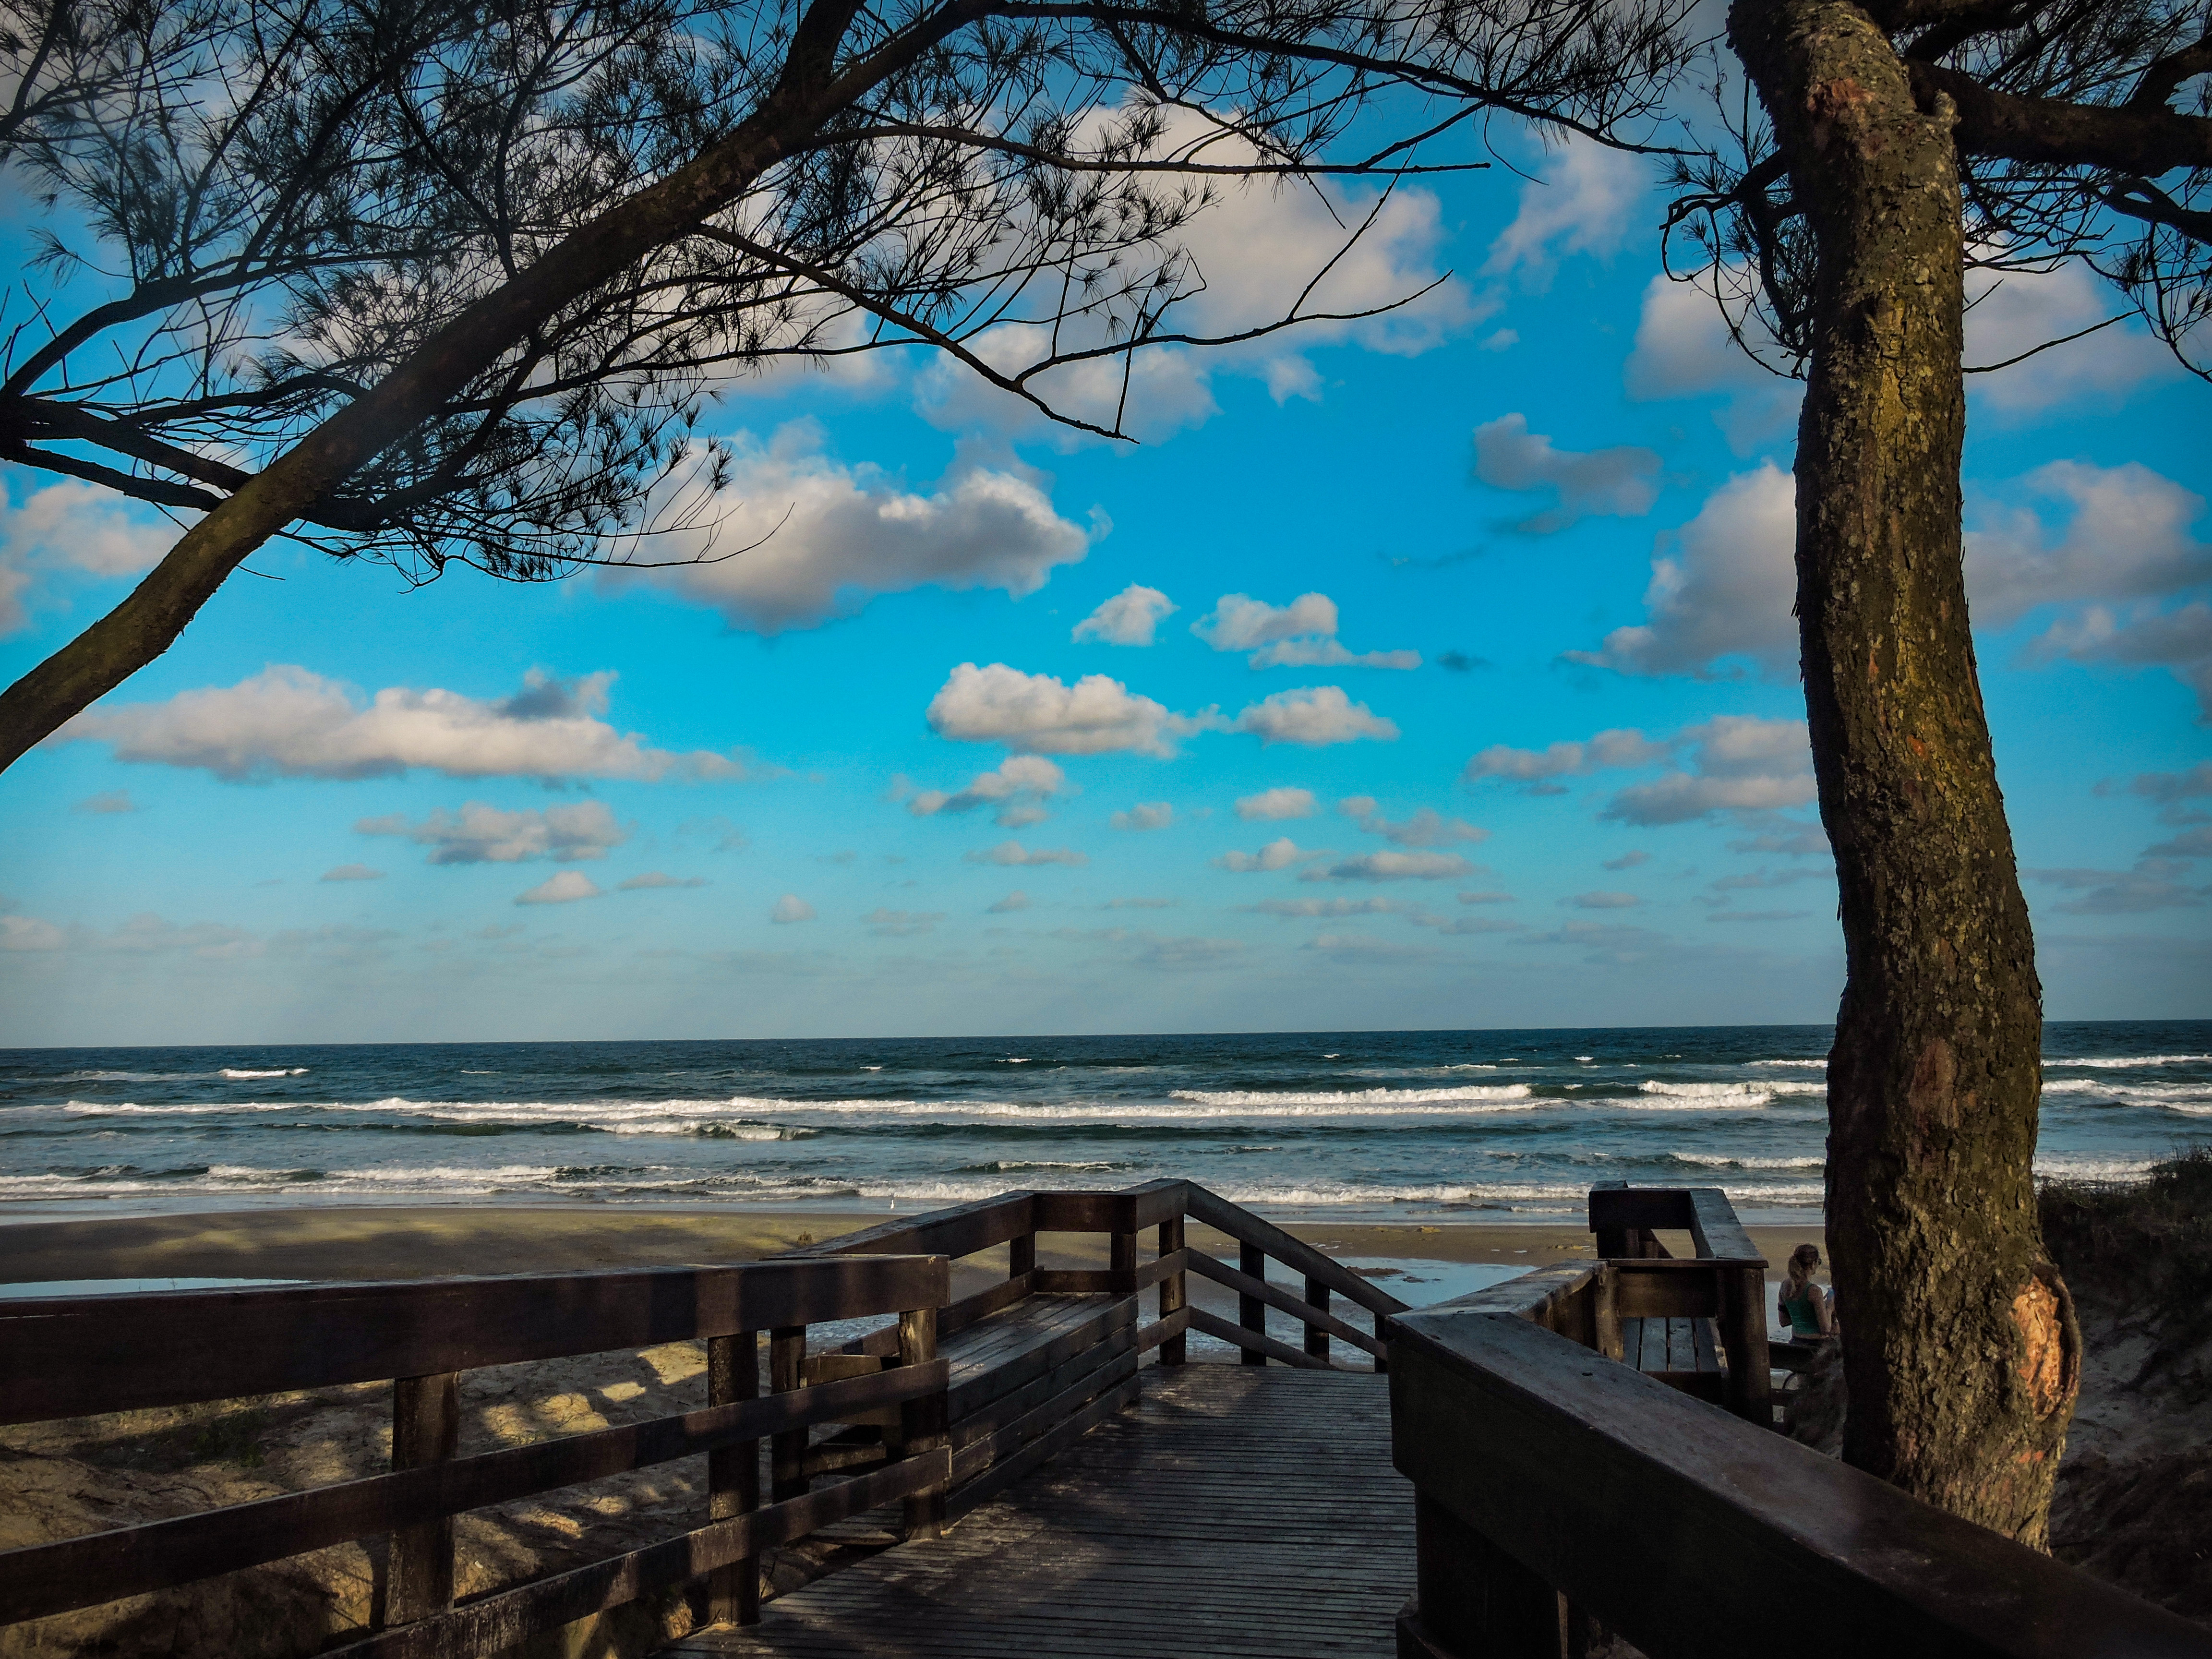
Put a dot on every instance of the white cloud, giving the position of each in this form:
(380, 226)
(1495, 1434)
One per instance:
(1393, 867)
(822, 539)
(1275, 855)
(1603, 901)
(2127, 538)
(1128, 618)
(1683, 349)
(479, 834)
(1278, 802)
(1303, 909)
(1252, 252)
(106, 802)
(1299, 634)
(1727, 590)
(565, 887)
(653, 879)
(1426, 828)
(2153, 884)
(1492, 897)
(1018, 786)
(1013, 853)
(1629, 859)
(789, 908)
(1619, 747)
(72, 525)
(1584, 199)
(1314, 715)
(1139, 904)
(288, 722)
(1145, 815)
(352, 873)
(2180, 640)
(30, 933)
(2009, 312)
(1738, 764)
(1017, 900)
(1621, 483)
(901, 923)
(1038, 713)
(1240, 623)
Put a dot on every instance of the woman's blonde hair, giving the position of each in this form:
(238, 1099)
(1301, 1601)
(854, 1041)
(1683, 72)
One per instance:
(1802, 1261)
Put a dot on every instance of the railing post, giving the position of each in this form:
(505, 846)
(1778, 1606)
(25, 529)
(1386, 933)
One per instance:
(1472, 1601)
(1382, 1335)
(1743, 1338)
(786, 1370)
(426, 1428)
(1172, 1290)
(733, 1476)
(1605, 1312)
(1316, 1338)
(1251, 1312)
(1021, 1255)
(1121, 1261)
(921, 1423)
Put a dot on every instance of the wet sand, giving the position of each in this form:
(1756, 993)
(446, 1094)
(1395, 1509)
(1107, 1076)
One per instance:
(439, 1240)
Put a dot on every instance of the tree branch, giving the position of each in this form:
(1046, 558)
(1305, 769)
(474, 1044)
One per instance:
(2060, 134)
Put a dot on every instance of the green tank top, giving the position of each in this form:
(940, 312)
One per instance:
(1803, 1322)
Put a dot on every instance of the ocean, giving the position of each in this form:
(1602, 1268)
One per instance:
(1422, 1125)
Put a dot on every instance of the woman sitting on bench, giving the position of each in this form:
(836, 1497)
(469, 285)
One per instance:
(1810, 1310)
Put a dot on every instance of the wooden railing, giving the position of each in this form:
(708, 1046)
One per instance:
(1034, 1402)
(1556, 1492)
(885, 1416)
(78, 1357)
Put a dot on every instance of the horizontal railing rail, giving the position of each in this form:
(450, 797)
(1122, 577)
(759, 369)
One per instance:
(86, 1356)
(1553, 1489)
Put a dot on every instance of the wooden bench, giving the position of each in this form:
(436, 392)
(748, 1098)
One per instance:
(1683, 1354)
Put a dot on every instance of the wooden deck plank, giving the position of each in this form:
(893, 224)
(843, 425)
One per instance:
(1233, 1512)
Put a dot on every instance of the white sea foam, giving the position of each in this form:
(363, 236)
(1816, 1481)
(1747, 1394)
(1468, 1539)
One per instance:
(2116, 1061)
(1814, 1065)
(1265, 1099)
(281, 1071)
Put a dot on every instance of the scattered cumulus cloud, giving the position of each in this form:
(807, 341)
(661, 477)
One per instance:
(1621, 483)
(106, 802)
(1309, 908)
(1017, 787)
(1490, 895)
(1313, 716)
(655, 880)
(1393, 867)
(2154, 884)
(2127, 537)
(1426, 827)
(1145, 815)
(1738, 764)
(351, 872)
(1040, 715)
(1130, 617)
(1139, 904)
(1299, 634)
(1683, 349)
(479, 834)
(1017, 900)
(2010, 312)
(822, 538)
(1629, 859)
(1014, 854)
(1280, 855)
(1724, 589)
(790, 908)
(1603, 901)
(1583, 199)
(71, 526)
(288, 722)
(1283, 802)
(563, 887)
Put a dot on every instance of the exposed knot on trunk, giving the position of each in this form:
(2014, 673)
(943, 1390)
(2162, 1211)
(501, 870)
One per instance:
(2050, 1371)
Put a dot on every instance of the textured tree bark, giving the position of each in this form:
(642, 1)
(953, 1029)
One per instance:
(1961, 1350)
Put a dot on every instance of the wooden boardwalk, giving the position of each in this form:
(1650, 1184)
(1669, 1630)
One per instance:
(1234, 1510)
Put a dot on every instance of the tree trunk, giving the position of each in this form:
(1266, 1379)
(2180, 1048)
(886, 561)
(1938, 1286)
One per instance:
(1961, 1350)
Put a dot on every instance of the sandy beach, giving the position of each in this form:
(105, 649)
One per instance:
(437, 1241)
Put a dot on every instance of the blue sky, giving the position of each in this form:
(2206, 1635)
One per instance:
(1477, 704)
